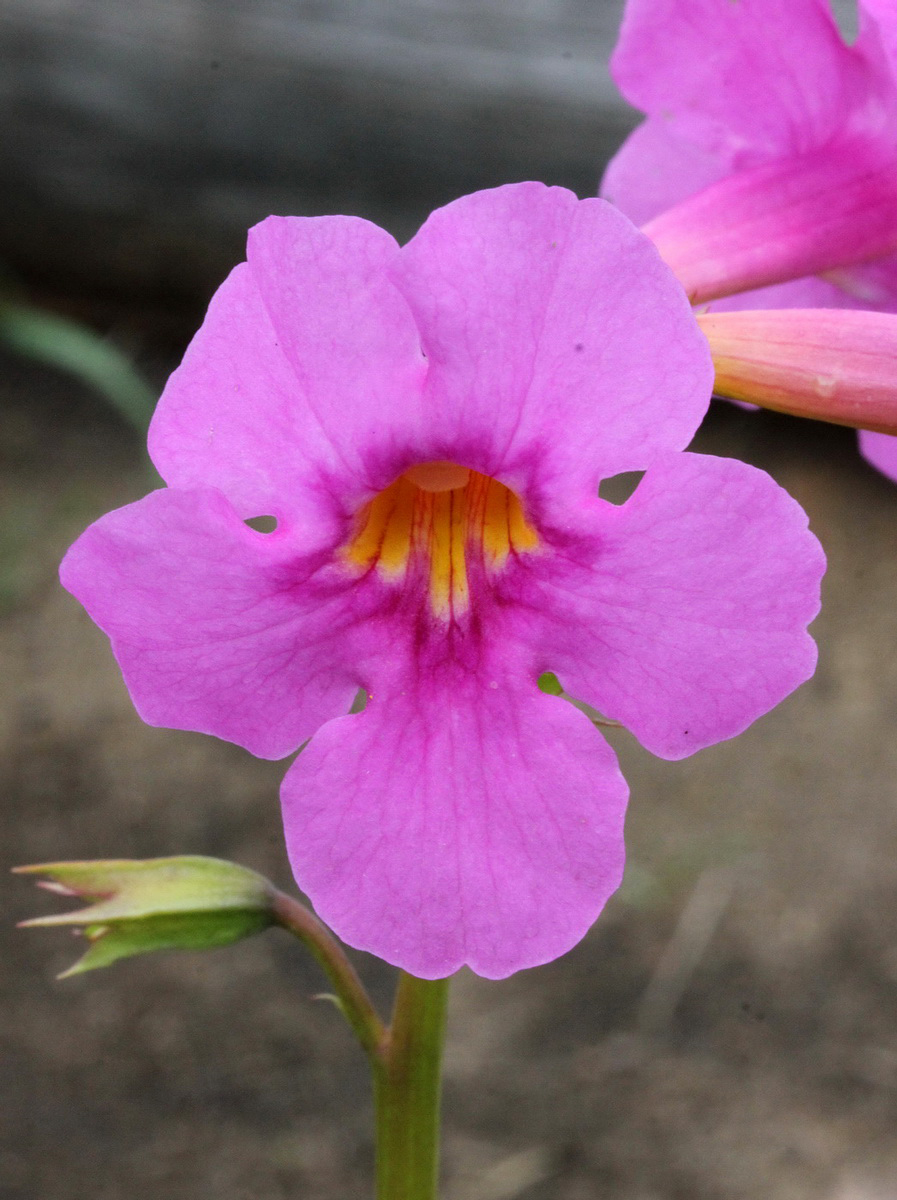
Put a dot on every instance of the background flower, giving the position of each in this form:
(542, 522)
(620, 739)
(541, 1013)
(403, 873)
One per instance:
(736, 90)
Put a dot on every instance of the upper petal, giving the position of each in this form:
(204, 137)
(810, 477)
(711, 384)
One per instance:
(560, 346)
(348, 334)
(217, 628)
(686, 620)
(461, 818)
(307, 367)
(757, 76)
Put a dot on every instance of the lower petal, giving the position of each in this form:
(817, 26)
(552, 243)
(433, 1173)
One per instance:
(458, 820)
(872, 285)
(812, 291)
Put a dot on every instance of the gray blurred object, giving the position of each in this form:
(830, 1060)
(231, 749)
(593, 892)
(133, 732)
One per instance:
(140, 139)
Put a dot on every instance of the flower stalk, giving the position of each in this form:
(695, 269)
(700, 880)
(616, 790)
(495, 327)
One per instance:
(407, 1091)
(349, 993)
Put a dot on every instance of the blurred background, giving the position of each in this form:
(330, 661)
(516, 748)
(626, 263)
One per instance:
(729, 1028)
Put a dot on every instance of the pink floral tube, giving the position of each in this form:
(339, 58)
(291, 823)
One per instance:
(809, 214)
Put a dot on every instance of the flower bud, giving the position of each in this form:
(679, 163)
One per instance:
(829, 364)
(139, 905)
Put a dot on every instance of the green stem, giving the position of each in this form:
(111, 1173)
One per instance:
(352, 999)
(407, 1092)
(406, 1058)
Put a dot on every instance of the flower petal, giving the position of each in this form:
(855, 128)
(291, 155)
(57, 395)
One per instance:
(227, 417)
(878, 31)
(458, 819)
(688, 623)
(308, 364)
(348, 334)
(654, 169)
(547, 322)
(870, 285)
(880, 449)
(217, 628)
(756, 76)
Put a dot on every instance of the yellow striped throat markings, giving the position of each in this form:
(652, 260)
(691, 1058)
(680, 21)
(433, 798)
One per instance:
(440, 513)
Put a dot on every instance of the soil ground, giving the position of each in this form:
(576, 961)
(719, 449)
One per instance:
(727, 1031)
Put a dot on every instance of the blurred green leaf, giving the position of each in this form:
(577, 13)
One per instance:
(64, 343)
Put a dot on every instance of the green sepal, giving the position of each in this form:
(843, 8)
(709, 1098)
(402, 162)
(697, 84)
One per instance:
(141, 905)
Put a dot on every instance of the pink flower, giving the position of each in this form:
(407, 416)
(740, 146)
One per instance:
(429, 425)
(768, 162)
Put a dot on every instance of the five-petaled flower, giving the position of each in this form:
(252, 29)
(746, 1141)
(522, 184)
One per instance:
(767, 165)
(429, 425)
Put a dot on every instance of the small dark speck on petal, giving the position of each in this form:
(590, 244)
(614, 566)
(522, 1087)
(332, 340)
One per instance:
(579, 347)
